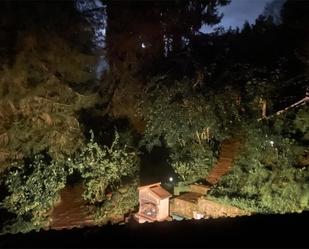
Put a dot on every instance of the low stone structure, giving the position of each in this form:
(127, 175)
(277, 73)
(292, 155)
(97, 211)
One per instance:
(196, 206)
(213, 209)
(199, 188)
(184, 205)
(153, 203)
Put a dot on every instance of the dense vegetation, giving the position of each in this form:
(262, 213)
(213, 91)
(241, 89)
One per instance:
(121, 202)
(269, 175)
(104, 167)
(33, 188)
(190, 124)
(38, 99)
(185, 97)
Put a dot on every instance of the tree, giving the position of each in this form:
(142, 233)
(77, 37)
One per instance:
(190, 124)
(40, 100)
(139, 47)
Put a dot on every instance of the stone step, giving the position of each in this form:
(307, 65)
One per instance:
(216, 172)
(224, 162)
(228, 151)
(233, 145)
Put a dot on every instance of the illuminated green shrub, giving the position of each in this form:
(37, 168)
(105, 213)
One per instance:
(39, 98)
(263, 178)
(33, 189)
(122, 201)
(193, 162)
(190, 123)
(301, 122)
(102, 167)
(178, 113)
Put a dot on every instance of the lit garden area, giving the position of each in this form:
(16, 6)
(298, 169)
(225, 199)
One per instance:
(116, 112)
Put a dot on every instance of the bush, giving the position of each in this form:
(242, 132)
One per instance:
(263, 178)
(122, 201)
(192, 162)
(33, 189)
(190, 123)
(177, 114)
(102, 167)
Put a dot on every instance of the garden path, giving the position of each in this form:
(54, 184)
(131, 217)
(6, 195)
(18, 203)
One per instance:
(72, 210)
(228, 151)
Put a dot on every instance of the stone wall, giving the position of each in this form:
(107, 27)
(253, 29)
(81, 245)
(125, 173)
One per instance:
(182, 208)
(213, 209)
(199, 188)
(188, 204)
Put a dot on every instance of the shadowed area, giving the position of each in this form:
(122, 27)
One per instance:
(276, 231)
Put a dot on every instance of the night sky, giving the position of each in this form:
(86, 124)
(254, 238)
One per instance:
(237, 12)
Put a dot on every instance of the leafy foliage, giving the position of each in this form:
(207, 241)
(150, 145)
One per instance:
(122, 201)
(33, 189)
(301, 122)
(193, 162)
(293, 123)
(102, 167)
(190, 123)
(263, 178)
(39, 99)
(177, 113)
(20, 225)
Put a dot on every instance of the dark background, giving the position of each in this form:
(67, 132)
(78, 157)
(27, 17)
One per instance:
(279, 231)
